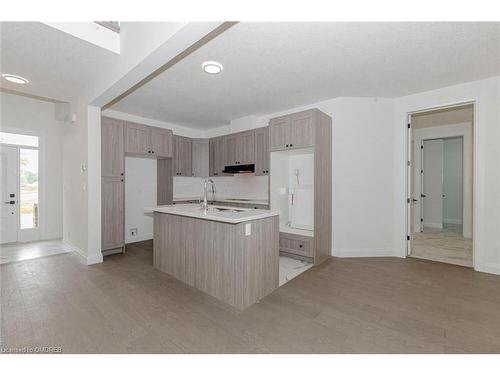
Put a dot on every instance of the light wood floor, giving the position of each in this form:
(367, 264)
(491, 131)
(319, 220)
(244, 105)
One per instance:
(443, 245)
(361, 305)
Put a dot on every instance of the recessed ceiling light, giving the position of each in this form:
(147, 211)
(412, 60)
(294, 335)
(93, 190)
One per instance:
(212, 67)
(15, 79)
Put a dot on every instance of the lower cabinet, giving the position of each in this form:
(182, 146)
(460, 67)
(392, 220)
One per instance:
(112, 212)
(297, 244)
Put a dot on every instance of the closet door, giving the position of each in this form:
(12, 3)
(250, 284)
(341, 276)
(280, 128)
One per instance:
(112, 147)
(112, 212)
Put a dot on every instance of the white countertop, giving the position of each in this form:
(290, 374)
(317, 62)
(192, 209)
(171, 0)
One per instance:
(231, 215)
(227, 200)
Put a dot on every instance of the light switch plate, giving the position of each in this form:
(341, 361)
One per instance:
(248, 229)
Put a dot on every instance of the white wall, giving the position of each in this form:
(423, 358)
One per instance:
(30, 116)
(486, 95)
(363, 171)
(452, 181)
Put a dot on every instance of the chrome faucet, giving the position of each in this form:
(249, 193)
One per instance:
(205, 192)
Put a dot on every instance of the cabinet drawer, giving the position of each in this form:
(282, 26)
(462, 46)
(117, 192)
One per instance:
(296, 244)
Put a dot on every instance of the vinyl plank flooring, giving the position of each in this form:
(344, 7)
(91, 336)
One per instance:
(361, 305)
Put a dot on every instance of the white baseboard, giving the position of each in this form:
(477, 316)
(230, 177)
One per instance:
(452, 221)
(94, 259)
(488, 268)
(139, 238)
(434, 225)
(88, 260)
(362, 253)
(77, 250)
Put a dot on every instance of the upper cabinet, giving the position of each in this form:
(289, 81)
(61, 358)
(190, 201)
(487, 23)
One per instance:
(182, 157)
(292, 131)
(200, 162)
(216, 156)
(112, 159)
(148, 140)
(161, 142)
(239, 148)
(262, 151)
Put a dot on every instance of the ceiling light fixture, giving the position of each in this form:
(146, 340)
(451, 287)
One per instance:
(211, 67)
(15, 79)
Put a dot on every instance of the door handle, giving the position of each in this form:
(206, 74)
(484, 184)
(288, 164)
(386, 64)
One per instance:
(422, 195)
(10, 202)
(415, 200)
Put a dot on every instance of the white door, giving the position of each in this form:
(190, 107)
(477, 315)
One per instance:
(8, 193)
(432, 184)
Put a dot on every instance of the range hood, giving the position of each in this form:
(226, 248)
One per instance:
(239, 168)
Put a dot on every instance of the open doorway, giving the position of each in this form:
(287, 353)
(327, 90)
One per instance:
(440, 183)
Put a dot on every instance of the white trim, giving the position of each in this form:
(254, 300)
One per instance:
(95, 259)
(144, 237)
(407, 151)
(434, 225)
(488, 268)
(451, 221)
(88, 260)
(362, 253)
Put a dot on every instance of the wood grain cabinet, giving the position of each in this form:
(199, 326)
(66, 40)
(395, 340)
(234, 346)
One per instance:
(148, 140)
(182, 157)
(216, 156)
(112, 153)
(239, 148)
(200, 157)
(292, 131)
(262, 151)
(112, 213)
(161, 142)
(296, 244)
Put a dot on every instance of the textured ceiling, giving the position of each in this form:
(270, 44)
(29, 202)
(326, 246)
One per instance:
(57, 64)
(269, 67)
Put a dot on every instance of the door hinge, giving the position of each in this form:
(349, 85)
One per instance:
(408, 200)
(422, 219)
(408, 126)
(422, 147)
(421, 171)
(408, 163)
(407, 238)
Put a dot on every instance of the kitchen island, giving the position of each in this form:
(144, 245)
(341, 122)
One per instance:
(229, 253)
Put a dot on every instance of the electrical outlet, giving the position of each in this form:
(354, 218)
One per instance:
(133, 231)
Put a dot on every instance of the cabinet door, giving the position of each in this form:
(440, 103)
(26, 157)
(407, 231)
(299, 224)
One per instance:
(112, 147)
(262, 151)
(301, 130)
(112, 212)
(211, 157)
(200, 157)
(245, 148)
(279, 129)
(161, 142)
(217, 156)
(182, 156)
(137, 139)
(230, 147)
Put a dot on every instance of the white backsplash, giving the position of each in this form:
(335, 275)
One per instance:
(245, 186)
